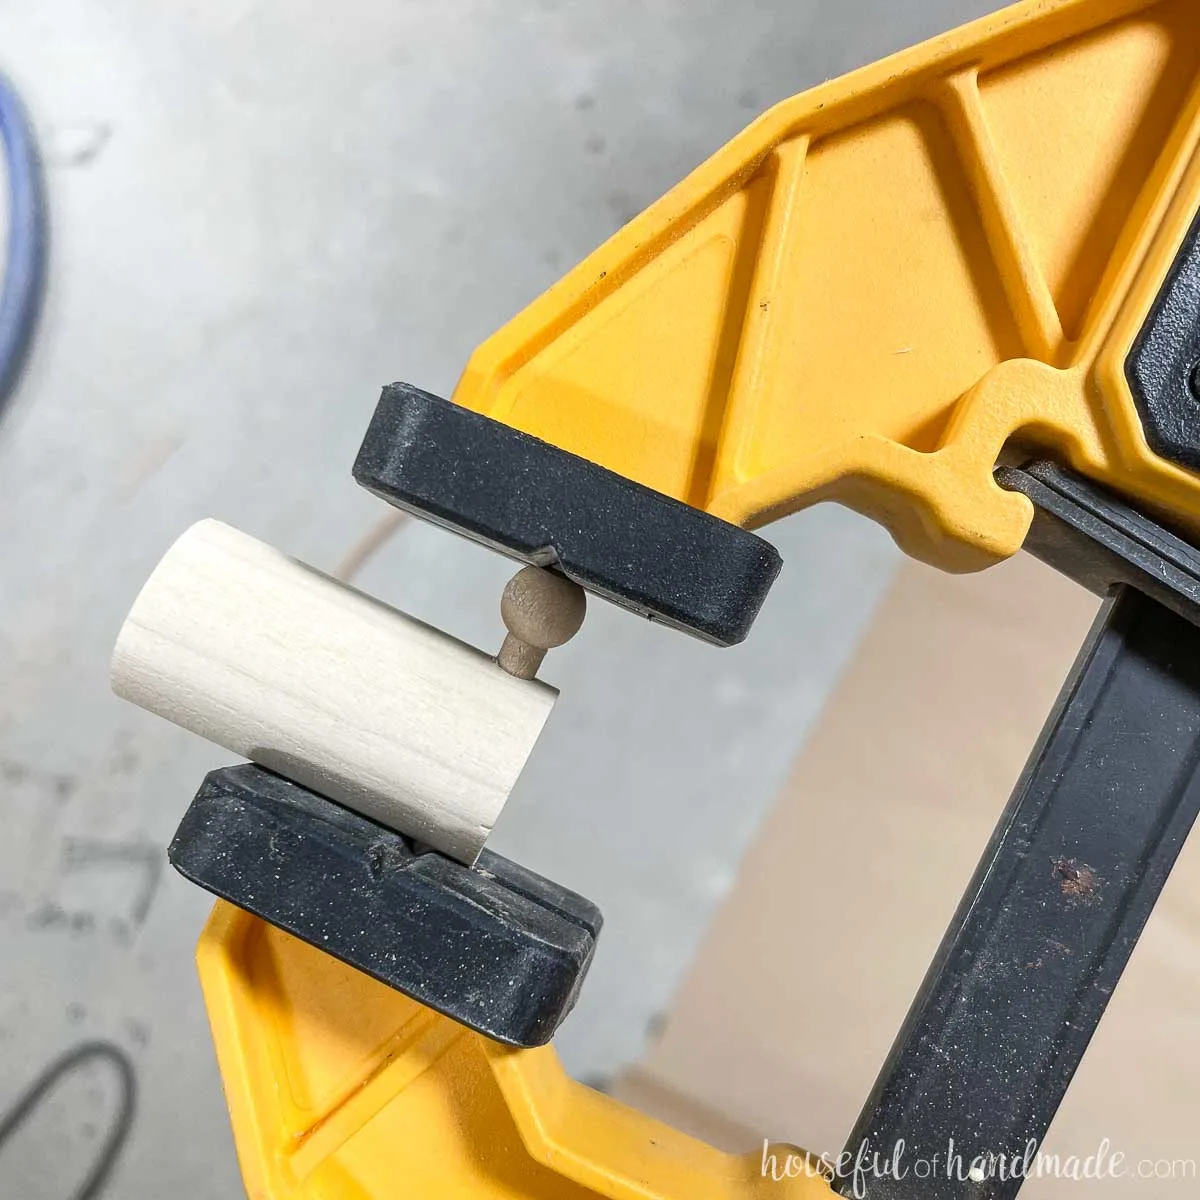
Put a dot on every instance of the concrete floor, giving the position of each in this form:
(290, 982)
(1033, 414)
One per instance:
(261, 213)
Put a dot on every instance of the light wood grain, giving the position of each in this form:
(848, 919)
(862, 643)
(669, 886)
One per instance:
(308, 677)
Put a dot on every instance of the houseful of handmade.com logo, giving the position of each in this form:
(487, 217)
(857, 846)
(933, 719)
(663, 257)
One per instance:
(858, 1168)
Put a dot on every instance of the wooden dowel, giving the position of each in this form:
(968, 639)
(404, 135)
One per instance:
(333, 689)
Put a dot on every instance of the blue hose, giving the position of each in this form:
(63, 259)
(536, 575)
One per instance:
(28, 237)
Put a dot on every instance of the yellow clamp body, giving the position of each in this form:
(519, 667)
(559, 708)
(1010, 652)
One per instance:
(881, 282)
(865, 297)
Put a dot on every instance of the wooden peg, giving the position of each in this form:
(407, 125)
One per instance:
(540, 610)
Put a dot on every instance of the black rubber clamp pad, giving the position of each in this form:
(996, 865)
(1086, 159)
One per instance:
(540, 504)
(494, 946)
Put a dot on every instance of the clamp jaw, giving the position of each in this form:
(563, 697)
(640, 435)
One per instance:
(885, 283)
(958, 291)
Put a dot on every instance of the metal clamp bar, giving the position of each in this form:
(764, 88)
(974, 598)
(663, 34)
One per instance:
(1055, 907)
